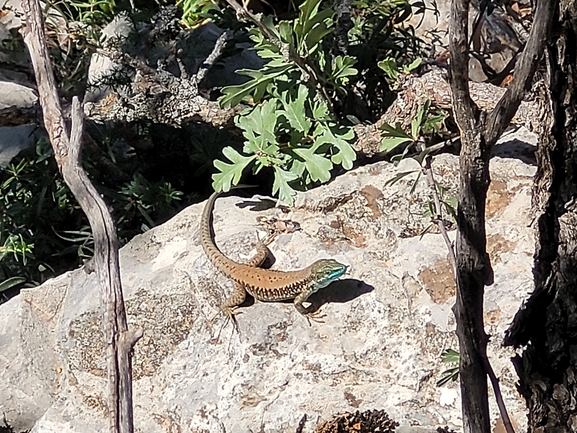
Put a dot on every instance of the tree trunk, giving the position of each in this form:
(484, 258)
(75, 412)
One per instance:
(547, 324)
(479, 133)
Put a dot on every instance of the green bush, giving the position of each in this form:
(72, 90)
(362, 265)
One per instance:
(44, 232)
(297, 124)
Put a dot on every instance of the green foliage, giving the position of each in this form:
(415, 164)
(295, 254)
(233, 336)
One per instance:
(448, 202)
(33, 202)
(294, 131)
(393, 70)
(379, 33)
(88, 12)
(451, 358)
(20, 250)
(43, 231)
(194, 12)
(296, 54)
(146, 201)
(11, 282)
(307, 87)
(294, 136)
(427, 125)
(423, 127)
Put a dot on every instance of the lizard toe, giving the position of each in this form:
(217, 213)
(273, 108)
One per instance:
(315, 316)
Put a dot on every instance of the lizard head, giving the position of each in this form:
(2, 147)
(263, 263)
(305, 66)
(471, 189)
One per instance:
(325, 271)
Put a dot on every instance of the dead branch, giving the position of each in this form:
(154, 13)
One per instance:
(478, 135)
(66, 143)
(502, 114)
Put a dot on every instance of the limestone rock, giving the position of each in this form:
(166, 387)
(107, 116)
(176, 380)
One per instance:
(387, 321)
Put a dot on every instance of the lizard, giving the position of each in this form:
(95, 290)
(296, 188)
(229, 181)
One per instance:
(265, 284)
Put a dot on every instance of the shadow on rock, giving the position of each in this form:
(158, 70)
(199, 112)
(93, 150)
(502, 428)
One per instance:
(516, 148)
(340, 291)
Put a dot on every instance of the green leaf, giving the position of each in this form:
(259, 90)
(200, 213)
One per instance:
(450, 355)
(398, 177)
(391, 143)
(450, 206)
(412, 66)
(396, 131)
(229, 173)
(320, 110)
(415, 128)
(425, 231)
(416, 182)
(318, 166)
(389, 65)
(338, 137)
(422, 113)
(307, 10)
(286, 32)
(11, 282)
(233, 95)
(343, 67)
(294, 110)
(448, 375)
(281, 185)
(259, 126)
(316, 29)
(268, 22)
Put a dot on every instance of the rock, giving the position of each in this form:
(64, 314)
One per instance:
(18, 100)
(433, 86)
(387, 321)
(167, 72)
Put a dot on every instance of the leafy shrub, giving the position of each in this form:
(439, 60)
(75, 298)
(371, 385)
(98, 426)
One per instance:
(296, 129)
(44, 232)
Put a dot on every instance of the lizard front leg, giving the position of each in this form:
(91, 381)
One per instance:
(309, 313)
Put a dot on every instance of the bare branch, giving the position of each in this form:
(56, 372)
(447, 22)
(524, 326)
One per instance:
(473, 266)
(466, 112)
(502, 114)
(67, 149)
(438, 217)
(217, 50)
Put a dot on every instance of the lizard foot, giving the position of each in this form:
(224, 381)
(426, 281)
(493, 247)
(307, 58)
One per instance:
(315, 316)
(230, 313)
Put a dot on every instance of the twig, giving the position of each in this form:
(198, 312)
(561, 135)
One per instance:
(308, 72)
(301, 425)
(212, 57)
(501, 116)
(499, 398)
(438, 218)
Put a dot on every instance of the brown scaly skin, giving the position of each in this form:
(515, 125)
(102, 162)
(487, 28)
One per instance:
(266, 284)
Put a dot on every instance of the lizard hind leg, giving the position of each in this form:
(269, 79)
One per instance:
(262, 252)
(309, 313)
(231, 304)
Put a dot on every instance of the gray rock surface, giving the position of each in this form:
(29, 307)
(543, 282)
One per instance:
(17, 98)
(14, 139)
(387, 321)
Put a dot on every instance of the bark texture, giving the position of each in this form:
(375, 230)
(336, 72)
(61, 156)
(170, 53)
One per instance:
(479, 133)
(547, 324)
